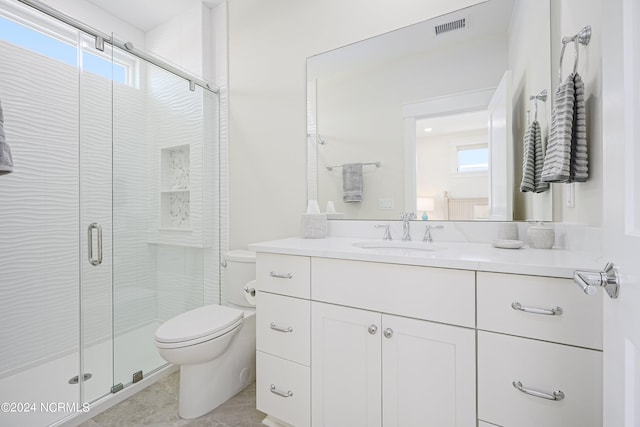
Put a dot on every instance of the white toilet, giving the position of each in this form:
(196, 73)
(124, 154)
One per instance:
(214, 345)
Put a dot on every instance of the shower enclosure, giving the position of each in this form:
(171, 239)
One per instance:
(109, 224)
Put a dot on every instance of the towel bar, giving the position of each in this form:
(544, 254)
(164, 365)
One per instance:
(377, 164)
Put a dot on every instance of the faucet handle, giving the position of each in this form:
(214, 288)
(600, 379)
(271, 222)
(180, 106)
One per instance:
(387, 233)
(427, 232)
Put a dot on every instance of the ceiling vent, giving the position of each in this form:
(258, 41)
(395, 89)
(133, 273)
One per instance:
(451, 26)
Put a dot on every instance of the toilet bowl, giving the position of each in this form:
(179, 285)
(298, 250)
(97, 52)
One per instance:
(214, 344)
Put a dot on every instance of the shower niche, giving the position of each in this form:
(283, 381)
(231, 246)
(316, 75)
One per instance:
(175, 192)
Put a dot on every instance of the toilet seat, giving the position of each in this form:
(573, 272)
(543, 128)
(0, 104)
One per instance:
(197, 326)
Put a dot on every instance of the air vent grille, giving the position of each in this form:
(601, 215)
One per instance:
(451, 26)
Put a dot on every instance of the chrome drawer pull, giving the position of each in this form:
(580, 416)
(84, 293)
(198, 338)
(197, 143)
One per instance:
(279, 328)
(557, 395)
(555, 311)
(287, 393)
(281, 276)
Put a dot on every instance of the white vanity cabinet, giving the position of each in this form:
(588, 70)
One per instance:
(283, 378)
(372, 344)
(539, 352)
(371, 368)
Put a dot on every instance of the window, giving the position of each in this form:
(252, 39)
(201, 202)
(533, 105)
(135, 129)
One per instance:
(472, 158)
(57, 49)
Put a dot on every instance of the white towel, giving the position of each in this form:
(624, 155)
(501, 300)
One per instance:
(557, 161)
(352, 182)
(6, 161)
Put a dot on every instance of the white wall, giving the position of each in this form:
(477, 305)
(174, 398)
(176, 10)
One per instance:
(268, 45)
(569, 16)
(182, 39)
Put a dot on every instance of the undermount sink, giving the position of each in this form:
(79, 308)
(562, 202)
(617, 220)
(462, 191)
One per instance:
(404, 246)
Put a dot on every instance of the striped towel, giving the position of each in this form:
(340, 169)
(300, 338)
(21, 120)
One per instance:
(566, 158)
(557, 161)
(532, 161)
(579, 155)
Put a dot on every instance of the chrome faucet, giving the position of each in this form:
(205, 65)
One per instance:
(427, 232)
(406, 232)
(387, 233)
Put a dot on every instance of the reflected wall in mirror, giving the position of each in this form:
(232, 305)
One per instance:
(370, 102)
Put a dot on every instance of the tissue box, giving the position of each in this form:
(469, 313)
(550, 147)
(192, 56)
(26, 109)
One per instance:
(313, 226)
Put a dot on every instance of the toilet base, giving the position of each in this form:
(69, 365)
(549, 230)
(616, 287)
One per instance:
(206, 386)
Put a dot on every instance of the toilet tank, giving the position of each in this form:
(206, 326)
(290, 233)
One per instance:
(240, 269)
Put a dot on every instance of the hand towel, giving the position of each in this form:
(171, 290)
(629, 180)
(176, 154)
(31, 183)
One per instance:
(528, 161)
(352, 182)
(539, 184)
(6, 161)
(532, 161)
(579, 155)
(557, 160)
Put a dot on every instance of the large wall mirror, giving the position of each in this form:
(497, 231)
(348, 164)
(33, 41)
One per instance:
(431, 118)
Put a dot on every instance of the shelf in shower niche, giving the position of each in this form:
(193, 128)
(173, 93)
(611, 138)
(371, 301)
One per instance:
(182, 190)
(175, 196)
(175, 167)
(175, 210)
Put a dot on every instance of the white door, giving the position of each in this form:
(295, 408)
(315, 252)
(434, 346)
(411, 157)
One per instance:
(500, 152)
(621, 223)
(428, 373)
(345, 372)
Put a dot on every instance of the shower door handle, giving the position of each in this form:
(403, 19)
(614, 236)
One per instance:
(94, 261)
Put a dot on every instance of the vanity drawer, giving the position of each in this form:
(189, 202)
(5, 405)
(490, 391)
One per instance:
(283, 274)
(500, 295)
(290, 398)
(539, 366)
(283, 327)
(438, 294)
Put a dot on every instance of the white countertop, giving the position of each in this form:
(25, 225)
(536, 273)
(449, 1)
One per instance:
(459, 255)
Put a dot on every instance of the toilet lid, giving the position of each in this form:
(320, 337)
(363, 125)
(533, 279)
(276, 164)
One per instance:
(198, 323)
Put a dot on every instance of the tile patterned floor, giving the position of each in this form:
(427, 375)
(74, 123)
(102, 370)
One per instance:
(157, 406)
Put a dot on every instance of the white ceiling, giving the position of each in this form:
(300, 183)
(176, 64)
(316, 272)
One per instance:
(147, 14)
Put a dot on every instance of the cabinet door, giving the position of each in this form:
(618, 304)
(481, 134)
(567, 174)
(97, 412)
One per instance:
(428, 373)
(345, 371)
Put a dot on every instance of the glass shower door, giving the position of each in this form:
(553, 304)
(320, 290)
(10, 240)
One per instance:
(158, 210)
(96, 327)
